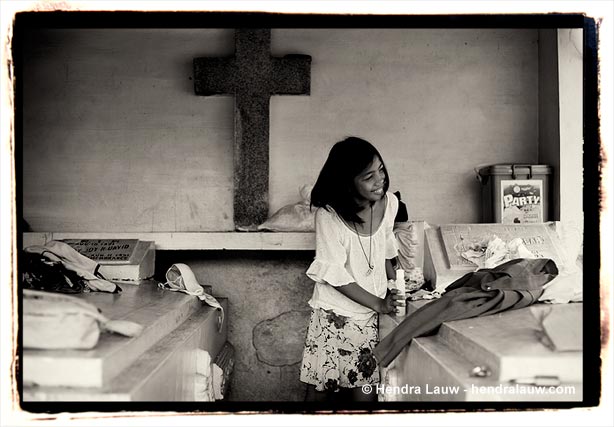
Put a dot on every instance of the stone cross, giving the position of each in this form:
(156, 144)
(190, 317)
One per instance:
(252, 75)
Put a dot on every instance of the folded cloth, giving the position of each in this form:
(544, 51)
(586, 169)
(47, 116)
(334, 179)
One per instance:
(84, 267)
(407, 240)
(516, 284)
(203, 381)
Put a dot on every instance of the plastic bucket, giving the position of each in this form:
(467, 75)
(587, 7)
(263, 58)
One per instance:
(515, 193)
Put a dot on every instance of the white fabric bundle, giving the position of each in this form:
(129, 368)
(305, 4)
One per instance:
(56, 321)
(295, 217)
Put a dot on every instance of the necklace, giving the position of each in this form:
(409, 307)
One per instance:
(368, 259)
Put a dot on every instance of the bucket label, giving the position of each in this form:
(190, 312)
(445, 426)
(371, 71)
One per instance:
(521, 201)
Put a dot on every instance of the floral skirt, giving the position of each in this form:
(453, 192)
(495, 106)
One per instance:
(338, 351)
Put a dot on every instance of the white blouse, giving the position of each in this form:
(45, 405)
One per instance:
(340, 260)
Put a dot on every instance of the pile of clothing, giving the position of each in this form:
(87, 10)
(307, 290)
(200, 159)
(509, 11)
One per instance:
(58, 267)
(515, 284)
(52, 321)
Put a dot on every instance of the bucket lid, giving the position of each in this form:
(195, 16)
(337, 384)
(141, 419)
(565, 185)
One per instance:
(520, 169)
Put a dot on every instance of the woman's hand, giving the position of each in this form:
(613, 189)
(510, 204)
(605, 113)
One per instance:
(390, 303)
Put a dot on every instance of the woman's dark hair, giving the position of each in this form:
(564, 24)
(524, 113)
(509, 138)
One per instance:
(335, 184)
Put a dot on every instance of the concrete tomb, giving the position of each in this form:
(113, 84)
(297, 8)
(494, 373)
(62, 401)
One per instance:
(445, 244)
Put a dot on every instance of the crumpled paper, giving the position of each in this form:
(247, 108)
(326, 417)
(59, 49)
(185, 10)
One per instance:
(423, 294)
(494, 251)
(565, 287)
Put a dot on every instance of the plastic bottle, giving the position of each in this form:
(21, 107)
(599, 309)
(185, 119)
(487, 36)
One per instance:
(400, 285)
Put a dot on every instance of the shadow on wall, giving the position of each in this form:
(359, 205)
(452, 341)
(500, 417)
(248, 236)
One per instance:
(268, 315)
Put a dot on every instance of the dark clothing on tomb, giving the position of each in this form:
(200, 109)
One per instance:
(515, 284)
(402, 215)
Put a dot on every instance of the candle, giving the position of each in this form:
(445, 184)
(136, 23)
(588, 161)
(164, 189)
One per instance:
(400, 285)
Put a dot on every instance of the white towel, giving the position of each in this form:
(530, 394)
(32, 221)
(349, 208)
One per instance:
(180, 277)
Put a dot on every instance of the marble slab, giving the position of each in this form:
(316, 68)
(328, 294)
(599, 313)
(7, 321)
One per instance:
(508, 346)
(458, 238)
(444, 244)
(157, 310)
(165, 372)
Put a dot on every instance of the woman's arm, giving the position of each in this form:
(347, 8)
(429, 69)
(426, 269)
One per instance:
(386, 305)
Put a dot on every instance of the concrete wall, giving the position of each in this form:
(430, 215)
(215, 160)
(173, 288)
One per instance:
(116, 140)
(560, 118)
(435, 102)
(549, 132)
(268, 315)
(570, 45)
(114, 137)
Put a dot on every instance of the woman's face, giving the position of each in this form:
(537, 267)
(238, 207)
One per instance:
(370, 182)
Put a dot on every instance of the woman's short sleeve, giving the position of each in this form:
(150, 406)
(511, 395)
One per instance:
(331, 255)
